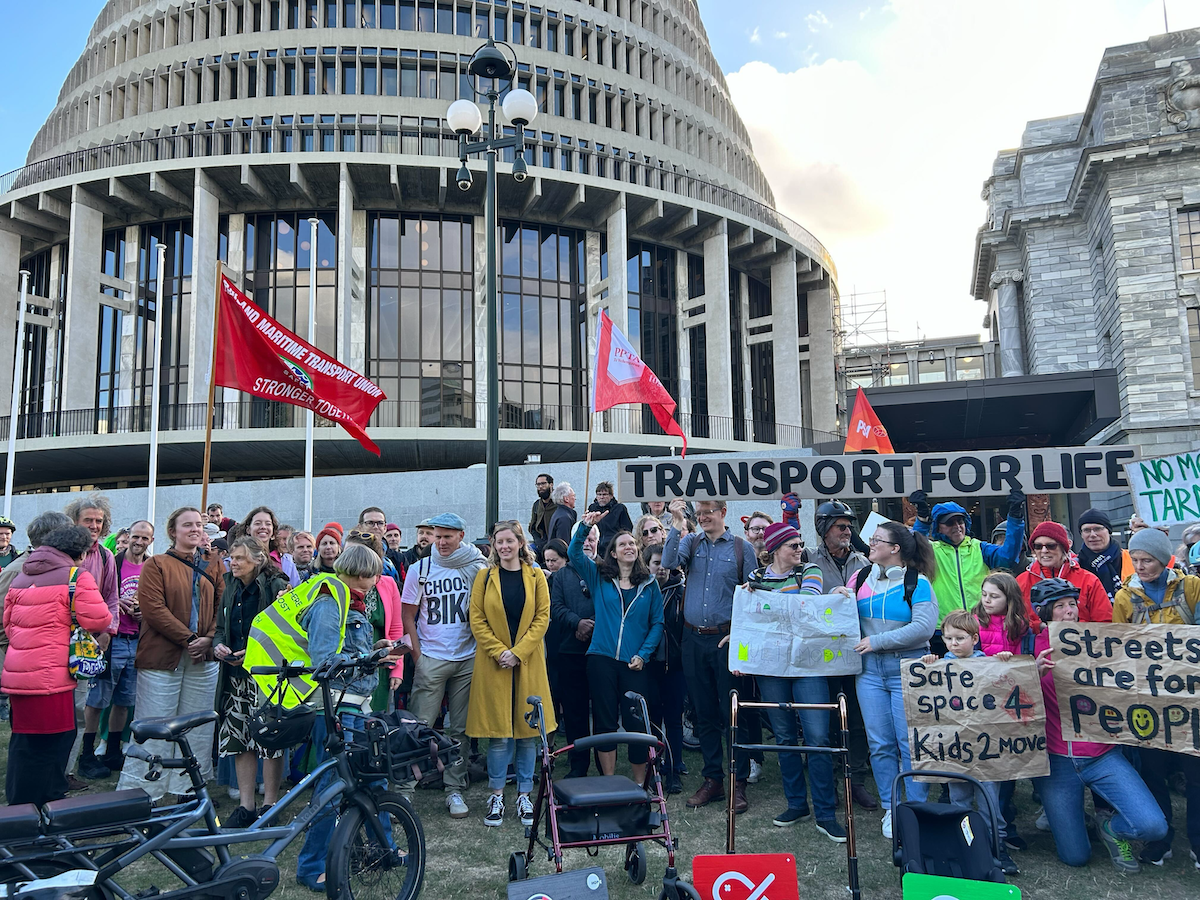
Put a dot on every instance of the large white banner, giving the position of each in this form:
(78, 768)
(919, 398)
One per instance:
(793, 635)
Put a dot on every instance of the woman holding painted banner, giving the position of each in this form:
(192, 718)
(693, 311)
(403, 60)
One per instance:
(898, 614)
(1075, 765)
(1157, 594)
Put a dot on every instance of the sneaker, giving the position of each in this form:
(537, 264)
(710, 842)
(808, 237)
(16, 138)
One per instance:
(674, 784)
(683, 769)
(886, 825)
(755, 771)
(235, 794)
(1007, 866)
(1195, 860)
(240, 818)
(457, 805)
(690, 741)
(524, 809)
(832, 830)
(791, 816)
(1041, 823)
(114, 760)
(92, 769)
(1155, 853)
(1119, 850)
(1014, 841)
(495, 813)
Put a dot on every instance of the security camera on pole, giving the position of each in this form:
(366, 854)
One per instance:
(520, 108)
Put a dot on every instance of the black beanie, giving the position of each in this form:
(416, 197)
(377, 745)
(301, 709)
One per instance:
(1095, 517)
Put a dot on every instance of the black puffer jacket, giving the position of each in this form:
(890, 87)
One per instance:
(570, 601)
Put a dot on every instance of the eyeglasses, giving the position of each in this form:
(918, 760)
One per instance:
(370, 524)
(875, 541)
(646, 532)
(756, 528)
(841, 526)
(1037, 547)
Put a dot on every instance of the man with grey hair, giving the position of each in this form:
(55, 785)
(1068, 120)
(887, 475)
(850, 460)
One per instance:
(36, 531)
(563, 520)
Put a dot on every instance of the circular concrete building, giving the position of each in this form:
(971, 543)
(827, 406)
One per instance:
(220, 127)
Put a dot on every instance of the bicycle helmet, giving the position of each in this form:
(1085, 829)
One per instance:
(1043, 594)
(274, 727)
(829, 512)
(6, 522)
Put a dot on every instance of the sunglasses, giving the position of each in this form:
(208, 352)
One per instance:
(794, 545)
(841, 526)
(1045, 547)
(646, 532)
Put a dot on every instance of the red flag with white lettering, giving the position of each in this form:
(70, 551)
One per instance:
(866, 432)
(257, 355)
(622, 377)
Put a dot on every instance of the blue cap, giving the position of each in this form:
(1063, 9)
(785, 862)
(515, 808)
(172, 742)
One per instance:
(446, 520)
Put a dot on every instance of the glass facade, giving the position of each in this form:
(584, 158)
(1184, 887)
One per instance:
(37, 344)
(698, 346)
(653, 317)
(737, 376)
(420, 327)
(762, 391)
(176, 317)
(108, 355)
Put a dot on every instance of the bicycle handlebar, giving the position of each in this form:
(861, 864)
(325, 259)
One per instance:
(325, 671)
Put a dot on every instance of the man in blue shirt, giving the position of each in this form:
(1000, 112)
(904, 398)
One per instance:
(715, 561)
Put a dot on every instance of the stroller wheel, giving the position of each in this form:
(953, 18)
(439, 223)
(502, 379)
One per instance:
(679, 890)
(635, 863)
(518, 870)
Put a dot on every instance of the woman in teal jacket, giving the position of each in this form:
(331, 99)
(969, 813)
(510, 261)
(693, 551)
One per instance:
(629, 625)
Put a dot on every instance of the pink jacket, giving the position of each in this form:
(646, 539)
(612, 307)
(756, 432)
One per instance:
(393, 627)
(1055, 743)
(37, 620)
(993, 639)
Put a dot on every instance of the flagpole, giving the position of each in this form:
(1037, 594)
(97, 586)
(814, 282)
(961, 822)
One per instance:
(14, 406)
(156, 390)
(311, 337)
(212, 394)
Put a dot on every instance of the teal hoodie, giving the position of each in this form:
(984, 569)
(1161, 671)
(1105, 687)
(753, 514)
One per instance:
(619, 633)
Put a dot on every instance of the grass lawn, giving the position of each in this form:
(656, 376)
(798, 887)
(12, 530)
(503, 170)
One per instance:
(470, 861)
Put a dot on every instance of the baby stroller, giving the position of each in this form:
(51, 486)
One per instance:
(602, 810)
(943, 838)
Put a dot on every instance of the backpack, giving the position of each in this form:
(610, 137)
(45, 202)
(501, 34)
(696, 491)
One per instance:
(910, 582)
(1142, 610)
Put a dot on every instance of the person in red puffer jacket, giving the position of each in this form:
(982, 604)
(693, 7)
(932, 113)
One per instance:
(1052, 558)
(37, 620)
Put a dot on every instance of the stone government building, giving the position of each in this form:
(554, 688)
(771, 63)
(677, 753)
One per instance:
(218, 128)
(1090, 255)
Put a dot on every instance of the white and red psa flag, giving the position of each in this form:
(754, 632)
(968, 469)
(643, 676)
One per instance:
(866, 431)
(622, 377)
(257, 355)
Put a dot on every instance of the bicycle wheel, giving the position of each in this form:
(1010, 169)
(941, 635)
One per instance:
(360, 869)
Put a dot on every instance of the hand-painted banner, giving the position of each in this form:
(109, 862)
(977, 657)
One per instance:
(1128, 684)
(1166, 489)
(980, 473)
(980, 716)
(793, 635)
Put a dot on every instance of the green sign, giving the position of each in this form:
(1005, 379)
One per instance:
(936, 887)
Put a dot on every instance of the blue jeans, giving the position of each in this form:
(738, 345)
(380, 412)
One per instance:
(882, 704)
(502, 751)
(1137, 816)
(311, 862)
(963, 793)
(816, 734)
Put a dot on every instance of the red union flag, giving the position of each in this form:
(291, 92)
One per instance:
(866, 431)
(257, 355)
(622, 377)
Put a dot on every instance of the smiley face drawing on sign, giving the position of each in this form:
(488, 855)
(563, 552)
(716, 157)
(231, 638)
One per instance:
(1143, 722)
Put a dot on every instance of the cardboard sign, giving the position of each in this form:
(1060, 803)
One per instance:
(1128, 684)
(1166, 489)
(746, 875)
(793, 635)
(915, 886)
(980, 716)
(972, 474)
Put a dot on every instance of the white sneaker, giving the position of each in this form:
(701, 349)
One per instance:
(1195, 861)
(457, 805)
(755, 771)
(235, 794)
(887, 825)
(525, 809)
(495, 813)
(1041, 823)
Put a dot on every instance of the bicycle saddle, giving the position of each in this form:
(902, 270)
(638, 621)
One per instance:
(171, 727)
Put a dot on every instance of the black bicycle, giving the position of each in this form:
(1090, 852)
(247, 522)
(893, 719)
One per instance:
(81, 845)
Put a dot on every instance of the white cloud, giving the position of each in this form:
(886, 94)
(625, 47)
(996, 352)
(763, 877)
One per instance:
(866, 12)
(817, 21)
(781, 35)
(884, 161)
(755, 37)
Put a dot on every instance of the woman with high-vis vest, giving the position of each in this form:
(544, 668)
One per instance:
(176, 671)
(316, 621)
(510, 612)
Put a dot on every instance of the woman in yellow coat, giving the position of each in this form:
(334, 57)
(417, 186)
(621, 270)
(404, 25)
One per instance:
(510, 611)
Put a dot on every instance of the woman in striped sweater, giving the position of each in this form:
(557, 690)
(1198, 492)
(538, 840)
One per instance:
(790, 574)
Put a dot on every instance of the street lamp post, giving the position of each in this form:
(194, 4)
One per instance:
(520, 108)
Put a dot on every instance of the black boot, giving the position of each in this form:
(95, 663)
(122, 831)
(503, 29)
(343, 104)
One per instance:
(113, 758)
(90, 767)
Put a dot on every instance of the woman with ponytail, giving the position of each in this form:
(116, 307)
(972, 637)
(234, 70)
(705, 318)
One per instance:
(897, 613)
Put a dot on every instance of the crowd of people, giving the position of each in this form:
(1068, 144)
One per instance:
(578, 609)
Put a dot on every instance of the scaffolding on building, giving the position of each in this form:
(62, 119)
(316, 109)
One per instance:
(860, 324)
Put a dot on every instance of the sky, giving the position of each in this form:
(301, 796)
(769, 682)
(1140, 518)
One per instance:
(876, 121)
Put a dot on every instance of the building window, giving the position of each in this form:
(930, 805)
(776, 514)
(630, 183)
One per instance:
(759, 297)
(1189, 239)
(802, 314)
(1193, 319)
(968, 364)
(931, 367)
(698, 347)
(695, 276)
(542, 284)
(762, 391)
(108, 355)
(37, 345)
(652, 316)
(176, 312)
(895, 371)
(420, 321)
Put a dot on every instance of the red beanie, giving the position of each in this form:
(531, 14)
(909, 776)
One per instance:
(333, 526)
(1055, 532)
(336, 534)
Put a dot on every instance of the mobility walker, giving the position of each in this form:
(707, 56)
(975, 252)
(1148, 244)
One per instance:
(944, 838)
(602, 810)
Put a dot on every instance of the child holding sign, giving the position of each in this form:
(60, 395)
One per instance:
(1075, 765)
(960, 631)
